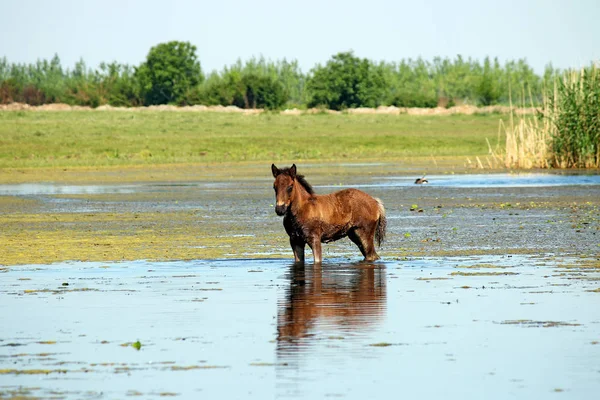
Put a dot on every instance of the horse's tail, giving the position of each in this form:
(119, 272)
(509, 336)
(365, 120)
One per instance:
(381, 223)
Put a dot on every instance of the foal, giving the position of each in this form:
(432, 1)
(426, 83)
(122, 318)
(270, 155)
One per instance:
(315, 219)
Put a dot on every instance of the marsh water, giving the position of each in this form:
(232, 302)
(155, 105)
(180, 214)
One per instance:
(503, 302)
(454, 180)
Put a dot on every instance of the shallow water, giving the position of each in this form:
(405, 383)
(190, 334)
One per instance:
(478, 326)
(27, 189)
(453, 327)
(498, 180)
(450, 181)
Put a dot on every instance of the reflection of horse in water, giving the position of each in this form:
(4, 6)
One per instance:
(346, 297)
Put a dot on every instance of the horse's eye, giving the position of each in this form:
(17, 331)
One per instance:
(289, 189)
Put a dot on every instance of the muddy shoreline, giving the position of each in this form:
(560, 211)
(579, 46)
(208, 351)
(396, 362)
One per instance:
(233, 217)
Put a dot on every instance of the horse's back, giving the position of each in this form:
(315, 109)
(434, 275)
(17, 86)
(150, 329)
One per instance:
(357, 196)
(359, 202)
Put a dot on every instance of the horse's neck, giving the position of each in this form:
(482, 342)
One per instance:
(301, 198)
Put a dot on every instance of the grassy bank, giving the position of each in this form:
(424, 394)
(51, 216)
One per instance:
(117, 138)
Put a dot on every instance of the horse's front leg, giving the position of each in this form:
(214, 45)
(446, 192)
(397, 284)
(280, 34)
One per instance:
(315, 245)
(298, 249)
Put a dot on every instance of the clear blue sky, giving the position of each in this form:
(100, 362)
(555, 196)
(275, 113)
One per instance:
(564, 33)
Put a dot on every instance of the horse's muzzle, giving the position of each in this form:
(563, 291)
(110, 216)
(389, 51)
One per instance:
(280, 210)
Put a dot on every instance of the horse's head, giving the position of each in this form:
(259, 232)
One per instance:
(284, 187)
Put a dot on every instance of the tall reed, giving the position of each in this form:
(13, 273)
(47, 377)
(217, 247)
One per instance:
(566, 131)
(574, 117)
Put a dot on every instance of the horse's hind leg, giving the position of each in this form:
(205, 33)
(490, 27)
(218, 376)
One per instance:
(363, 238)
(357, 240)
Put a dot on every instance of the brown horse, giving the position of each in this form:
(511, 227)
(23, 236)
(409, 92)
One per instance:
(315, 219)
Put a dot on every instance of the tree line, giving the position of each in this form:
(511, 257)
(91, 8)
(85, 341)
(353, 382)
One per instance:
(172, 74)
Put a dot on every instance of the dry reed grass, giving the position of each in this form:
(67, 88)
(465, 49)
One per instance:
(527, 142)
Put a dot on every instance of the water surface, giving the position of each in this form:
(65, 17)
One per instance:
(498, 180)
(450, 181)
(453, 327)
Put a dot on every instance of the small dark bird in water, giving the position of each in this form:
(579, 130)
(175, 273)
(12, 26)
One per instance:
(421, 181)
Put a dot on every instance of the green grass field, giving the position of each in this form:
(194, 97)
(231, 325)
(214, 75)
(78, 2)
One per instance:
(118, 138)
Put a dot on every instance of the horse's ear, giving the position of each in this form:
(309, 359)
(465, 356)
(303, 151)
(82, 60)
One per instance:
(293, 171)
(275, 170)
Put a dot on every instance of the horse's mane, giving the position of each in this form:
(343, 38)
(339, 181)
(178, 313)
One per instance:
(305, 185)
(301, 180)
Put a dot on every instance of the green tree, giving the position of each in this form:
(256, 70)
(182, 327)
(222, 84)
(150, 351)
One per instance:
(346, 81)
(224, 89)
(257, 83)
(458, 79)
(82, 86)
(263, 92)
(411, 84)
(47, 79)
(488, 89)
(169, 72)
(293, 81)
(118, 84)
